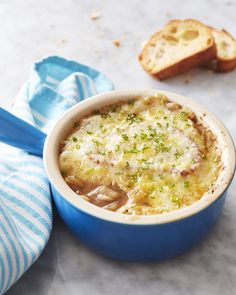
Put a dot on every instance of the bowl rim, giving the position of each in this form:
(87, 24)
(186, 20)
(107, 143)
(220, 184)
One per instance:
(50, 156)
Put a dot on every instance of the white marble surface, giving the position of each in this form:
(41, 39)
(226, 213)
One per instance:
(32, 29)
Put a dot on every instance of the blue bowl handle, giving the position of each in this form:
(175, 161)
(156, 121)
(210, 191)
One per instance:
(20, 134)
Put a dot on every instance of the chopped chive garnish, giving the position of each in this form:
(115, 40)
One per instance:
(143, 135)
(133, 150)
(186, 183)
(133, 118)
(184, 115)
(126, 165)
(125, 137)
(174, 198)
(74, 139)
(145, 161)
(145, 167)
(131, 102)
(96, 142)
(103, 130)
(90, 170)
(117, 148)
(145, 148)
(89, 132)
(133, 177)
(105, 115)
(178, 154)
(102, 153)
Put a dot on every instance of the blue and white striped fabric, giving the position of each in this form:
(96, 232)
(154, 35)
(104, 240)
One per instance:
(25, 202)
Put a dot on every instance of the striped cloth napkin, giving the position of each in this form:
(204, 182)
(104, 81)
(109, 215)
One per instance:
(55, 85)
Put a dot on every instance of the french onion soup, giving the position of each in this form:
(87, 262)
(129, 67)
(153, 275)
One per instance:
(142, 157)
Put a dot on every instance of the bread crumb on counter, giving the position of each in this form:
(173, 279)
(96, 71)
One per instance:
(95, 15)
(187, 79)
(116, 43)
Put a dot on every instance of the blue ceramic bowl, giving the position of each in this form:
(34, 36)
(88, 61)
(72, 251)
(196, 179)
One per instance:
(137, 238)
(120, 236)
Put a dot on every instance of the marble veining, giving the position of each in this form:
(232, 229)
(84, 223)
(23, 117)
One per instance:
(31, 30)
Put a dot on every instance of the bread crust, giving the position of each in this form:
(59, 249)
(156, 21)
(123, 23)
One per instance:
(224, 66)
(221, 66)
(185, 64)
(188, 63)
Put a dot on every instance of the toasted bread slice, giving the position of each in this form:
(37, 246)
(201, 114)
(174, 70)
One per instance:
(225, 51)
(179, 46)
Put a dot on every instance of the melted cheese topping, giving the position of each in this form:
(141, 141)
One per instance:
(152, 149)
